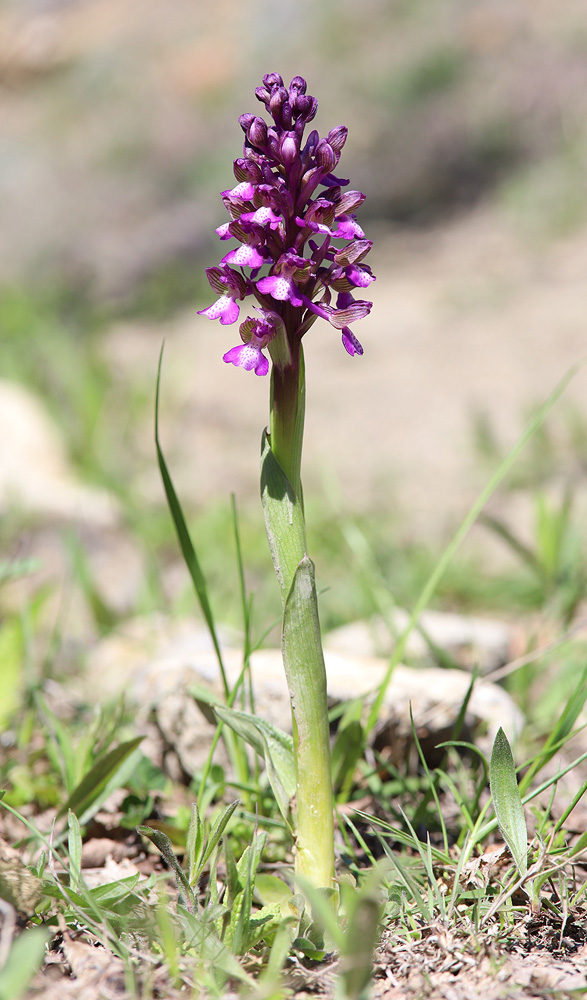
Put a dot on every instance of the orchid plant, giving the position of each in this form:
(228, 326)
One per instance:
(300, 257)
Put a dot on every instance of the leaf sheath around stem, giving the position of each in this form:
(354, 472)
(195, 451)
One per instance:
(303, 661)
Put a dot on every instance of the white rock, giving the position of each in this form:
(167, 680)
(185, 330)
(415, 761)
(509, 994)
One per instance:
(35, 474)
(156, 662)
(469, 639)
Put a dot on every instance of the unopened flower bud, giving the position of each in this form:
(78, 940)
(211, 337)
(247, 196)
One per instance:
(288, 148)
(301, 106)
(286, 116)
(326, 158)
(247, 170)
(271, 80)
(276, 101)
(337, 137)
(245, 122)
(297, 86)
(257, 133)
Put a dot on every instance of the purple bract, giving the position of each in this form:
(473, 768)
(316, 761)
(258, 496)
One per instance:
(288, 211)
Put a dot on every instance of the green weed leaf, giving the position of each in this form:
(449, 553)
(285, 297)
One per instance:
(507, 801)
(240, 934)
(108, 773)
(163, 844)
(273, 745)
(199, 850)
(272, 890)
(24, 959)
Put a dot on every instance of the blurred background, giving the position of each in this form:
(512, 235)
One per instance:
(468, 133)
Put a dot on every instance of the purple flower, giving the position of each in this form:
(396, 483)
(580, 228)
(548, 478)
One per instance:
(255, 334)
(289, 211)
(280, 285)
(232, 286)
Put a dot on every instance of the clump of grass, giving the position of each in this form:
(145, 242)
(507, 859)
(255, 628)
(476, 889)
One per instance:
(221, 910)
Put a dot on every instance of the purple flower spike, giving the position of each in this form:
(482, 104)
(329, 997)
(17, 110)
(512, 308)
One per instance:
(289, 213)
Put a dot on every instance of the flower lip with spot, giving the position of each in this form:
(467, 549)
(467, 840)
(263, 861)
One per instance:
(244, 256)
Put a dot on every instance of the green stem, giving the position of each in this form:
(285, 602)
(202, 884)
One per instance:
(288, 404)
(303, 657)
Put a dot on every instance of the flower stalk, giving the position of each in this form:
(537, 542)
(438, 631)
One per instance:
(289, 213)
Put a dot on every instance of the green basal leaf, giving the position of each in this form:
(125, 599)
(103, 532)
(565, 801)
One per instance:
(108, 773)
(273, 745)
(241, 888)
(507, 801)
(309, 949)
(305, 671)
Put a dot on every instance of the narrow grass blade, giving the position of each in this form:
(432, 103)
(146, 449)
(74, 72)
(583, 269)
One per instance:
(431, 783)
(507, 801)
(189, 554)
(74, 844)
(560, 732)
(560, 823)
(246, 602)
